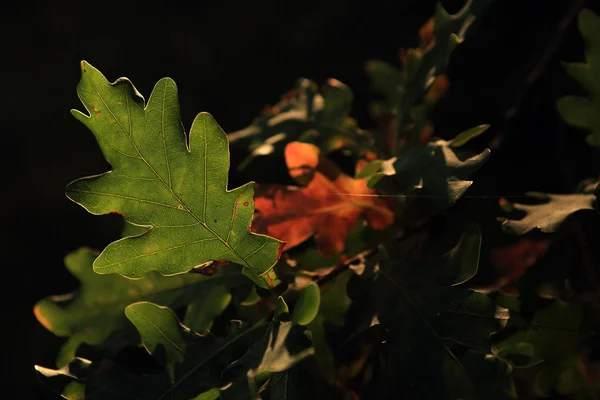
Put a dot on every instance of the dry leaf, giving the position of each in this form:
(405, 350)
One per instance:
(328, 207)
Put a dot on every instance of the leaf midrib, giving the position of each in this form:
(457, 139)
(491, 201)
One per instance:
(186, 208)
(424, 320)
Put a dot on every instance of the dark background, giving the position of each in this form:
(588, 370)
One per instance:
(230, 59)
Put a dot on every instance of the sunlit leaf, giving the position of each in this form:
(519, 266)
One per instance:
(328, 208)
(547, 216)
(163, 179)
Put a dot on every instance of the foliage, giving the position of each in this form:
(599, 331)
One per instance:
(583, 111)
(333, 288)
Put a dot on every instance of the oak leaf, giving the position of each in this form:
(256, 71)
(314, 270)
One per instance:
(177, 184)
(328, 207)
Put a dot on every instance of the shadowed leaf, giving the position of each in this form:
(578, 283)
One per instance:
(584, 112)
(95, 312)
(304, 114)
(410, 92)
(428, 321)
(553, 340)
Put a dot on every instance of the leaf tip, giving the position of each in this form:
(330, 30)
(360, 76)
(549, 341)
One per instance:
(39, 315)
(84, 66)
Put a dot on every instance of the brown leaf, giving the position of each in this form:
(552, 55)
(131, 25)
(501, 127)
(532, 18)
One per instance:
(426, 35)
(516, 258)
(327, 208)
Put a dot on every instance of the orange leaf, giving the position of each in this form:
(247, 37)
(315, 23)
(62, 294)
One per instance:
(426, 35)
(327, 208)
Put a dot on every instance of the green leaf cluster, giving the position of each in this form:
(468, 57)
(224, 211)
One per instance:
(225, 315)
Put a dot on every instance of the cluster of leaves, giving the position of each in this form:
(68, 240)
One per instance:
(328, 289)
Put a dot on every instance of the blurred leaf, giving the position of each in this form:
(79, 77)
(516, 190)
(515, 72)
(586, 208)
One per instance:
(410, 92)
(155, 182)
(437, 172)
(514, 260)
(307, 306)
(305, 114)
(334, 306)
(293, 384)
(212, 394)
(463, 138)
(203, 310)
(548, 216)
(328, 208)
(94, 313)
(552, 340)
(584, 112)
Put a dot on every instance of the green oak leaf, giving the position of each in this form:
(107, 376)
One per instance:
(548, 216)
(552, 343)
(94, 314)
(304, 114)
(160, 178)
(428, 320)
(584, 112)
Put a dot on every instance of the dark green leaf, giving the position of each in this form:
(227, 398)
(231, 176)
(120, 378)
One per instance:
(404, 90)
(334, 306)
(203, 310)
(307, 306)
(293, 384)
(193, 363)
(304, 114)
(81, 379)
(428, 320)
(584, 112)
(553, 340)
(95, 312)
